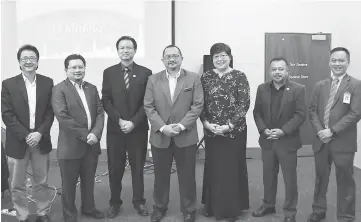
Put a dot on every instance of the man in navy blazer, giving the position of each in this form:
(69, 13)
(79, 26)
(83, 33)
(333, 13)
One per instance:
(78, 109)
(334, 111)
(28, 116)
(279, 111)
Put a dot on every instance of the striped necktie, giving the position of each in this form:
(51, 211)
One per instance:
(333, 92)
(126, 78)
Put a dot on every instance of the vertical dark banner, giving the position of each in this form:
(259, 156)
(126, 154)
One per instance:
(308, 55)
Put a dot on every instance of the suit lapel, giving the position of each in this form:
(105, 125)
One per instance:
(39, 89)
(89, 99)
(268, 99)
(22, 88)
(285, 97)
(180, 82)
(118, 80)
(165, 86)
(132, 76)
(344, 83)
(72, 89)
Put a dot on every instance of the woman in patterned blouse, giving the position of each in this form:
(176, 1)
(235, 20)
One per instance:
(226, 102)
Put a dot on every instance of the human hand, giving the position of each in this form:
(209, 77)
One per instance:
(33, 139)
(91, 139)
(324, 134)
(127, 126)
(176, 127)
(169, 131)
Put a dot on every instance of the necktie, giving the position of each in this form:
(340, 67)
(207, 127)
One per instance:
(126, 78)
(333, 91)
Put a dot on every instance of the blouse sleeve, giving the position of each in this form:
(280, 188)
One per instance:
(243, 93)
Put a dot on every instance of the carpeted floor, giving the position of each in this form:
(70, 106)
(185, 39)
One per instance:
(306, 177)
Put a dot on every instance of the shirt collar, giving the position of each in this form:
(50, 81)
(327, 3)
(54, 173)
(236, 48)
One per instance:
(80, 85)
(176, 76)
(340, 78)
(27, 81)
(130, 67)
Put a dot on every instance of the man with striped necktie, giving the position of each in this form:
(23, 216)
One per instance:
(334, 110)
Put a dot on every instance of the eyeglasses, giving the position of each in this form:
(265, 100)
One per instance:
(223, 56)
(76, 67)
(168, 57)
(127, 47)
(31, 59)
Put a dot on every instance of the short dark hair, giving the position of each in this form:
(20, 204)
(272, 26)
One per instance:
(127, 38)
(29, 48)
(338, 49)
(73, 57)
(220, 47)
(277, 59)
(172, 46)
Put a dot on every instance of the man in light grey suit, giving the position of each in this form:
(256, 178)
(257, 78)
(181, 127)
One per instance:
(334, 110)
(173, 102)
(78, 109)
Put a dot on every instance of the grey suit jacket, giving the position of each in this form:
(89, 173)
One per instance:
(186, 108)
(73, 123)
(343, 116)
(292, 114)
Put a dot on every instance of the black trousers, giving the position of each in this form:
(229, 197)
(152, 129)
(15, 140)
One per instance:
(272, 159)
(70, 170)
(118, 145)
(346, 187)
(185, 158)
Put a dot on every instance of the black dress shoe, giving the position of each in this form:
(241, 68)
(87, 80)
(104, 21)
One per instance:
(113, 211)
(157, 216)
(205, 212)
(290, 219)
(26, 220)
(189, 217)
(96, 214)
(44, 218)
(262, 211)
(141, 209)
(316, 217)
(232, 219)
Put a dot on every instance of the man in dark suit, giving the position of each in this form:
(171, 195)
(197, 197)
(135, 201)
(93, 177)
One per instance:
(28, 116)
(127, 130)
(279, 112)
(173, 102)
(78, 109)
(334, 110)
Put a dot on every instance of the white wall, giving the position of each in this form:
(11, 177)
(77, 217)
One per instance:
(243, 24)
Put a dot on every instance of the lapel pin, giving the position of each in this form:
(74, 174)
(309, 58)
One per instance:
(134, 76)
(287, 88)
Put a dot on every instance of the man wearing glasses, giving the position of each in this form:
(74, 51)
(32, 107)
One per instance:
(127, 130)
(173, 102)
(78, 109)
(28, 116)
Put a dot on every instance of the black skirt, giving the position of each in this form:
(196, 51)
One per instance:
(225, 181)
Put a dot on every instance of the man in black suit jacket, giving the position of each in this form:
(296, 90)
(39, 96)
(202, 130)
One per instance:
(127, 131)
(279, 111)
(78, 109)
(28, 116)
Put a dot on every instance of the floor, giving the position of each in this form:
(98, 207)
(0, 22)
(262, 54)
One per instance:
(305, 180)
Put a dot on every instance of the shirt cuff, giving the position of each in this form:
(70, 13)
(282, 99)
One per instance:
(181, 126)
(161, 129)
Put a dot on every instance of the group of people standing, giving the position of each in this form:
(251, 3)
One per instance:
(172, 100)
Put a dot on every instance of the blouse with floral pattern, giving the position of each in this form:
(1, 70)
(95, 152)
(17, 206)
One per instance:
(226, 99)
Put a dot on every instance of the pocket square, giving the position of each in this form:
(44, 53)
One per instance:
(187, 89)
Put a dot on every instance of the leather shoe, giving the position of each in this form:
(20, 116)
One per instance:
(189, 217)
(113, 211)
(43, 218)
(157, 216)
(232, 219)
(316, 217)
(26, 220)
(96, 214)
(262, 211)
(141, 209)
(290, 219)
(205, 212)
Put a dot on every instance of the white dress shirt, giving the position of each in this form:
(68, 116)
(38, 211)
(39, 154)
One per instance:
(31, 91)
(79, 89)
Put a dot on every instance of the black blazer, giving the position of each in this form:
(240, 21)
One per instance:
(291, 115)
(118, 103)
(15, 114)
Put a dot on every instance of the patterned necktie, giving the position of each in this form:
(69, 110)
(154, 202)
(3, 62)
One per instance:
(126, 78)
(330, 101)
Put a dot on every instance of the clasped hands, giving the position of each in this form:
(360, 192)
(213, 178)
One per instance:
(126, 126)
(273, 134)
(217, 129)
(33, 139)
(171, 130)
(325, 135)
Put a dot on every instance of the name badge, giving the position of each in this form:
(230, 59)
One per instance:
(347, 97)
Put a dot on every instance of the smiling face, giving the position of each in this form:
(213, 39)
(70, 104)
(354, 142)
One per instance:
(76, 70)
(172, 59)
(221, 61)
(28, 61)
(126, 50)
(279, 71)
(339, 63)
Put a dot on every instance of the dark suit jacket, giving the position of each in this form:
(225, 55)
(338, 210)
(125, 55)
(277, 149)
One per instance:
(73, 123)
(343, 117)
(118, 103)
(186, 108)
(291, 115)
(15, 114)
